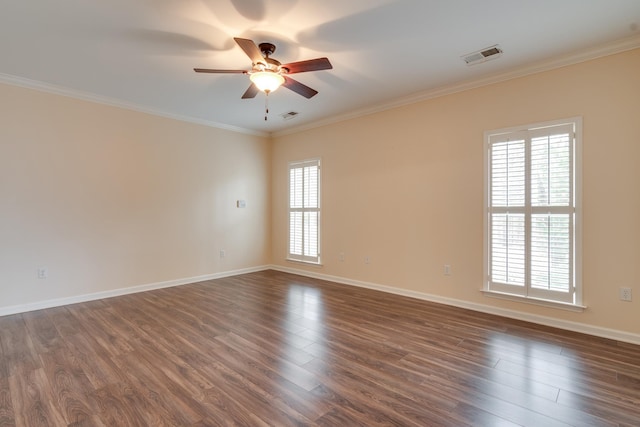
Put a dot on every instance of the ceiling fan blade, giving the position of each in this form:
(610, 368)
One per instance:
(308, 65)
(251, 92)
(251, 49)
(208, 70)
(298, 87)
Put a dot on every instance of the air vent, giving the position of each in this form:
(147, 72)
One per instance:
(483, 55)
(290, 115)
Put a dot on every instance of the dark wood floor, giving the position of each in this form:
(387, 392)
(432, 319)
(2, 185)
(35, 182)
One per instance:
(271, 348)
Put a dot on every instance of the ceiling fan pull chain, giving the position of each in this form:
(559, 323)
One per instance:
(266, 106)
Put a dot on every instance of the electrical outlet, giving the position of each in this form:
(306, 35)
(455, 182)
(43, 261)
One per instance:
(223, 253)
(447, 270)
(367, 260)
(341, 257)
(43, 273)
(625, 294)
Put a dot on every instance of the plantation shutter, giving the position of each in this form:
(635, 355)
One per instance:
(508, 264)
(304, 211)
(551, 209)
(531, 212)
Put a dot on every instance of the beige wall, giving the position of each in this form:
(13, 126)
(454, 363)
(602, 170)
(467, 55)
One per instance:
(108, 198)
(405, 187)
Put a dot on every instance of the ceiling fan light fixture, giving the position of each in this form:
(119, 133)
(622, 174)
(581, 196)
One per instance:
(268, 74)
(266, 81)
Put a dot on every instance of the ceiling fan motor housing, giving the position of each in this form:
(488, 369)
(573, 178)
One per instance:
(269, 64)
(267, 49)
(272, 65)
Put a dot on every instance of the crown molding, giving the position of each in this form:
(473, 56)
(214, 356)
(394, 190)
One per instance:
(112, 102)
(617, 46)
(612, 48)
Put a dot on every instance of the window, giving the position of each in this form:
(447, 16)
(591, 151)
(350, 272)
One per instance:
(304, 211)
(532, 197)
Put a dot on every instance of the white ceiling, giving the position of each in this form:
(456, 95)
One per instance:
(141, 53)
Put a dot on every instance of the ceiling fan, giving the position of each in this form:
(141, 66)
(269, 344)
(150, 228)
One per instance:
(267, 74)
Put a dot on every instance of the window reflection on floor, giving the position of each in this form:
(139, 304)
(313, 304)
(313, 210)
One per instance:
(306, 302)
(305, 330)
(305, 311)
(540, 369)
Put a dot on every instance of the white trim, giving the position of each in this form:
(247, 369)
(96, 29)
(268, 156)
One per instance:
(578, 142)
(598, 331)
(99, 99)
(302, 165)
(525, 133)
(612, 48)
(535, 301)
(533, 318)
(615, 47)
(303, 262)
(39, 305)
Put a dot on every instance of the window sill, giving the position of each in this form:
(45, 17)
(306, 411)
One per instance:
(308, 263)
(536, 301)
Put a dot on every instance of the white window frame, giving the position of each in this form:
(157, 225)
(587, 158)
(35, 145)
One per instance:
(308, 254)
(573, 298)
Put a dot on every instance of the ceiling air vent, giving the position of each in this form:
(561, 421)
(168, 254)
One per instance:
(483, 55)
(290, 115)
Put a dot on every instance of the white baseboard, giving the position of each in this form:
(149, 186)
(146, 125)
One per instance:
(513, 314)
(39, 305)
